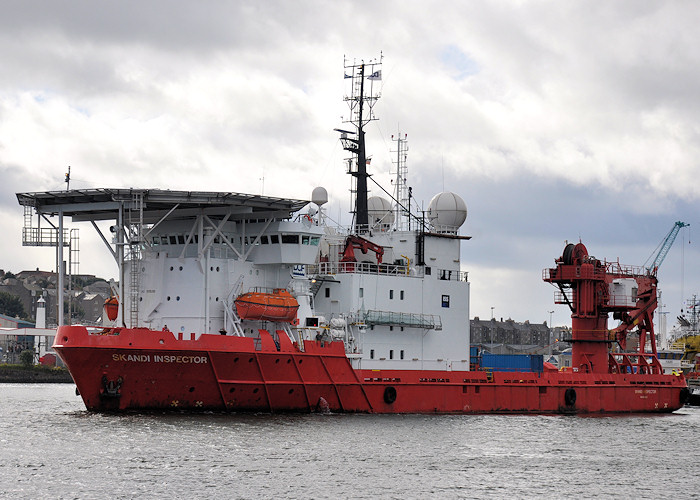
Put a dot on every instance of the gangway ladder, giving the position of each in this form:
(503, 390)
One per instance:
(232, 321)
(73, 268)
(135, 221)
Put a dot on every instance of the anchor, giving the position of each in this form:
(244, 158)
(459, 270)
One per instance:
(110, 388)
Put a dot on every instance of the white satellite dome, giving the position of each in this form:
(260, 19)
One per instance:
(380, 213)
(319, 196)
(447, 212)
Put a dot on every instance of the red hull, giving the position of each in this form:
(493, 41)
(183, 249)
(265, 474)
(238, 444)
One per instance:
(147, 370)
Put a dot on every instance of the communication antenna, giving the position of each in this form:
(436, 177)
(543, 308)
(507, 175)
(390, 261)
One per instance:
(400, 184)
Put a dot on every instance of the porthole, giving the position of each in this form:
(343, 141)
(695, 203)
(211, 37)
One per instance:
(255, 391)
(180, 268)
(177, 298)
(168, 297)
(171, 268)
(191, 389)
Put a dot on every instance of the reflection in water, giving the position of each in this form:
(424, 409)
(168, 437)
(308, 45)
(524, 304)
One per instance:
(52, 447)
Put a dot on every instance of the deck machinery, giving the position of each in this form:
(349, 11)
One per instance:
(593, 289)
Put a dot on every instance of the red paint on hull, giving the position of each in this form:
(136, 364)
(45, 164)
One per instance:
(141, 369)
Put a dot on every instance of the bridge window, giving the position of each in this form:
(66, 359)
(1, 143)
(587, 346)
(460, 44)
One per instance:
(274, 239)
(290, 238)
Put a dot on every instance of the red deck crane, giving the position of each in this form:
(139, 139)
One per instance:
(364, 245)
(593, 289)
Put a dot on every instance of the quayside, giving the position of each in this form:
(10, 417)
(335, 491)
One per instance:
(239, 302)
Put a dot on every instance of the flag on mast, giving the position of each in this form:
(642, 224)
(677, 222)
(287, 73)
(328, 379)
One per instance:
(377, 75)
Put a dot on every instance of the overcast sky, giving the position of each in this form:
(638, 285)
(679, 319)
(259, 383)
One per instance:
(553, 120)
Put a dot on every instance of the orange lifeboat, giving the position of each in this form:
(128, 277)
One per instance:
(276, 306)
(112, 308)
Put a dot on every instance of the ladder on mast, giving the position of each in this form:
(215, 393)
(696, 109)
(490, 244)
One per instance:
(135, 222)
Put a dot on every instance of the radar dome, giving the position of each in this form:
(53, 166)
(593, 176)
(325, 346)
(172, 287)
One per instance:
(379, 211)
(447, 212)
(319, 196)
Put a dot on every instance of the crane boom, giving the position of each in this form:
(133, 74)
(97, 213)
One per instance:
(665, 246)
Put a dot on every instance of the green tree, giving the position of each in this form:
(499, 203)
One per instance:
(27, 357)
(11, 305)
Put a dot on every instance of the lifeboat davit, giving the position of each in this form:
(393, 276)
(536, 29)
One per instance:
(276, 306)
(112, 308)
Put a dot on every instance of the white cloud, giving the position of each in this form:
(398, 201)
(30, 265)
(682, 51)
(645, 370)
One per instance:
(552, 119)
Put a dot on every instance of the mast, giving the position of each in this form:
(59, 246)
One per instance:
(400, 187)
(361, 100)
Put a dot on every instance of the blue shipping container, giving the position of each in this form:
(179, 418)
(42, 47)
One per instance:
(513, 362)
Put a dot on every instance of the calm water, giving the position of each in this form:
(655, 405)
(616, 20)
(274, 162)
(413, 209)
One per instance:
(52, 448)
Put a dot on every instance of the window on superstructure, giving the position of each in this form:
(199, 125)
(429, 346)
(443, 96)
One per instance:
(264, 240)
(391, 294)
(371, 354)
(445, 301)
(391, 354)
(274, 239)
(304, 239)
(401, 353)
(315, 240)
(173, 240)
(401, 294)
(290, 238)
(181, 239)
(328, 292)
(427, 270)
(362, 292)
